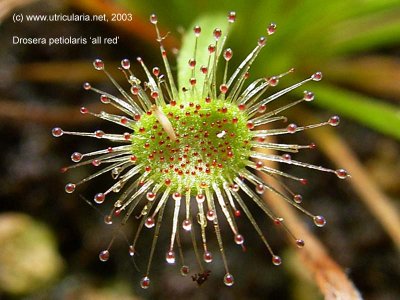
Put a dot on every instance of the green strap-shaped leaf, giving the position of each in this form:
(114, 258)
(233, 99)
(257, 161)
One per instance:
(207, 23)
(369, 111)
(367, 33)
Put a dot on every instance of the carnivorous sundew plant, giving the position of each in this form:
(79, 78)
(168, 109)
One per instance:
(197, 148)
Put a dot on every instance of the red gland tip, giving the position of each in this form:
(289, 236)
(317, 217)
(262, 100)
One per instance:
(319, 221)
(125, 63)
(98, 64)
(276, 260)
(87, 86)
(104, 255)
(341, 173)
(316, 76)
(334, 121)
(153, 19)
(262, 41)
(228, 279)
(291, 128)
(271, 28)
(197, 30)
(145, 282)
(300, 243)
(84, 110)
(228, 54)
(217, 33)
(232, 17)
(57, 132)
(308, 96)
(70, 188)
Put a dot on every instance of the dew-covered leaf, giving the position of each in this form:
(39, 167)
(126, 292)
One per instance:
(207, 23)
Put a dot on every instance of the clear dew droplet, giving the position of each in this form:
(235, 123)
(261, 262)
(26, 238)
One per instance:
(228, 53)
(223, 88)
(135, 91)
(276, 260)
(211, 48)
(262, 108)
(217, 33)
(239, 239)
(262, 41)
(108, 220)
(291, 128)
(131, 250)
(192, 81)
(232, 17)
(235, 188)
(273, 81)
(207, 257)
(187, 225)
(341, 173)
(99, 134)
(185, 270)
(149, 223)
(104, 99)
(154, 94)
(99, 198)
(260, 189)
(228, 279)
(170, 257)
(200, 198)
(308, 96)
(84, 110)
(298, 198)
(104, 255)
(197, 30)
(145, 282)
(98, 64)
(176, 196)
(300, 243)
(150, 196)
(319, 221)
(126, 64)
(87, 86)
(271, 28)
(210, 215)
(57, 132)
(316, 76)
(70, 188)
(303, 181)
(153, 19)
(334, 121)
(76, 157)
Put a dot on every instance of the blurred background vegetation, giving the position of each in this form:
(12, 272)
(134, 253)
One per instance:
(50, 240)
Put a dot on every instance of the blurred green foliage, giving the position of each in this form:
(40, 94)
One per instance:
(311, 36)
(28, 257)
(208, 23)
